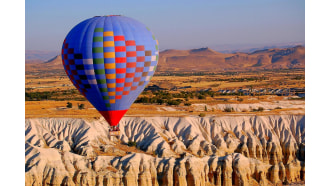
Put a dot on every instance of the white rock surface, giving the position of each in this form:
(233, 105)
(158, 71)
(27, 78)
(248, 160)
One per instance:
(242, 150)
(245, 107)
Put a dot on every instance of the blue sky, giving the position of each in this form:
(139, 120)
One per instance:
(176, 24)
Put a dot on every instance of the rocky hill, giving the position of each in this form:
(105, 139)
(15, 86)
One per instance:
(33, 56)
(180, 151)
(205, 59)
(208, 60)
(52, 65)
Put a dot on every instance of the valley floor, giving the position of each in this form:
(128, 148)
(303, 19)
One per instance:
(265, 105)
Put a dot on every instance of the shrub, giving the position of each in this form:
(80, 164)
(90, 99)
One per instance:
(229, 109)
(201, 97)
(131, 144)
(160, 101)
(260, 109)
(69, 105)
(187, 104)
(143, 99)
(81, 106)
(202, 115)
(174, 102)
(278, 108)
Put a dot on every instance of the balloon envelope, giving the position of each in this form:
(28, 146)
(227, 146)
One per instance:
(110, 59)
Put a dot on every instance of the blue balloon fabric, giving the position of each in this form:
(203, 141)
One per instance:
(110, 59)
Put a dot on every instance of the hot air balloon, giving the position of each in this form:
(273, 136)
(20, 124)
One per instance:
(110, 59)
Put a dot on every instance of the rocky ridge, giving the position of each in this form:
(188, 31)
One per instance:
(240, 150)
(207, 60)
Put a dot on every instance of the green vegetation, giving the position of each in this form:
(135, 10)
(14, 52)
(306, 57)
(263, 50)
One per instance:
(187, 104)
(38, 96)
(164, 97)
(202, 115)
(174, 102)
(131, 144)
(301, 77)
(201, 96)
(60, 95)
(184, 74)
(81, 106)
(260, 109)
(302, 98)
(240, 99)
(229, 109)
(69, 105)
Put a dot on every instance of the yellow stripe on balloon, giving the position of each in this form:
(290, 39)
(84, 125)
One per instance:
(107, 33)
(108, 43)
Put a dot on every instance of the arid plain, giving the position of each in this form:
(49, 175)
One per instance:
(276, 86)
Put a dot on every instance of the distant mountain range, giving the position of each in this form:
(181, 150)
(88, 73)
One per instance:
(248, 48)
(208, 60)
(39, 55)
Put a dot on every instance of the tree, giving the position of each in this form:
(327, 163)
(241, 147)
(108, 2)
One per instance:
(174, 102)
(260, 109)
(81, 106)
(201, 96)
(187, 104)
(131, 144)
(69, 105)
(229, 109)
(160, 101)
(202, 115)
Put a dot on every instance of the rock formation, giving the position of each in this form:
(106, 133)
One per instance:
(177, 151)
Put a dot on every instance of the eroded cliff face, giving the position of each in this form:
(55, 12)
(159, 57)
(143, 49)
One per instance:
(178, 151)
